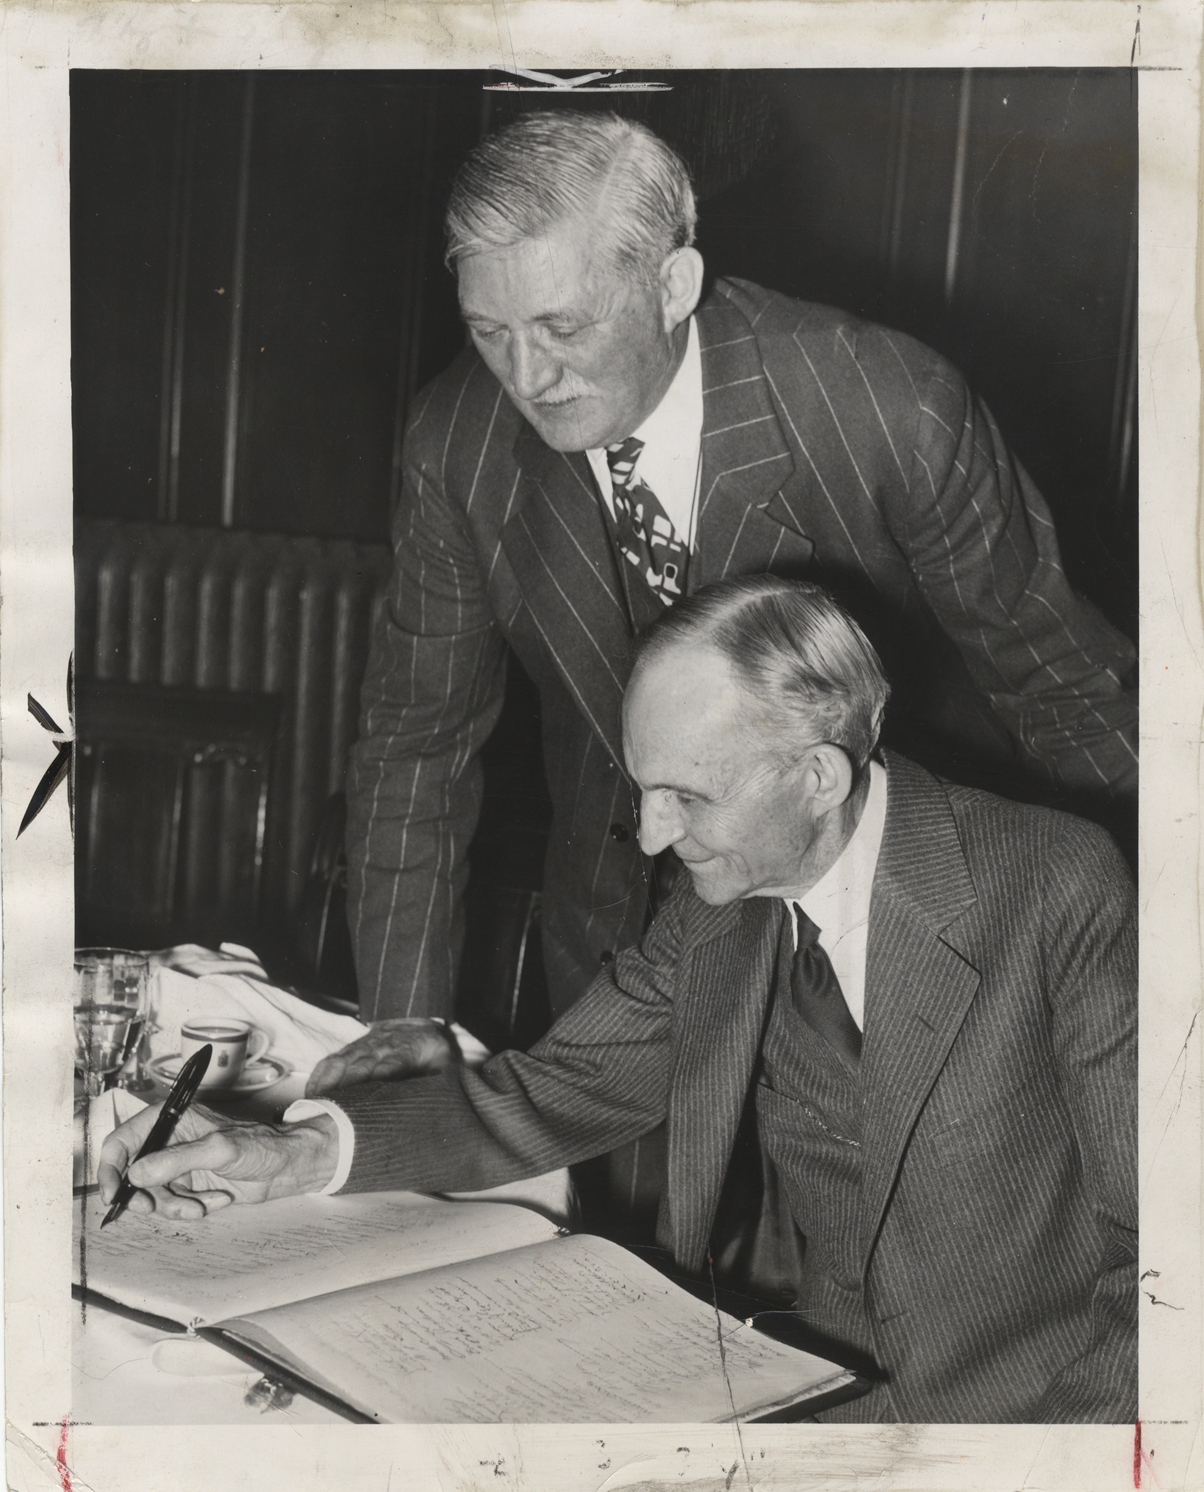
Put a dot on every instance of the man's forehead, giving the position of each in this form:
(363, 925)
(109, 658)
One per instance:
(685, 696)
(684, 668)
(547, 274)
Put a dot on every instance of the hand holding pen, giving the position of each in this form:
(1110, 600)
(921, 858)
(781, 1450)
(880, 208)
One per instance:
(182, 1093)
(190, 1162)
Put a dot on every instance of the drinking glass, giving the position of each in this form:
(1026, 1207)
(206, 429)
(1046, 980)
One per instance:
(110, 1011)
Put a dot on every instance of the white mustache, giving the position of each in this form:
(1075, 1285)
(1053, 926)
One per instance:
(563, 392)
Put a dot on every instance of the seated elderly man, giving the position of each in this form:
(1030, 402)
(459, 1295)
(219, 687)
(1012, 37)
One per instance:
(925, 995)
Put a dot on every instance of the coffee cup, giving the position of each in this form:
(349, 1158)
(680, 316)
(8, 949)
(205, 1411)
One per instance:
(234, 1043)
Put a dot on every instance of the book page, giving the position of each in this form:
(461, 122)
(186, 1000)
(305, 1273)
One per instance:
(573, 1331)
(251, 1258)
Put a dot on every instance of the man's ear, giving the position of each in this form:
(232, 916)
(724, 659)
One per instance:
(832, 776)
(681, 286)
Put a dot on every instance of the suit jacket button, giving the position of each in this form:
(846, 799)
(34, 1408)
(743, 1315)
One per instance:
(606, 956)
(620, 833)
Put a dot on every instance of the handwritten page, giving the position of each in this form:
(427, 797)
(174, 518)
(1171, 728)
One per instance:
(574, 1331)
(246, 1259)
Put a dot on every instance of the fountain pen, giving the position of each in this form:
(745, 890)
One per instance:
(183, 1091)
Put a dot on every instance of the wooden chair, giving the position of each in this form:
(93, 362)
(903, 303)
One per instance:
(319, 961)
(172, 789)
(502, 994)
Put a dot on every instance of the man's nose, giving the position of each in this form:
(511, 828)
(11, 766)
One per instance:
(533, 369)
(660, 823)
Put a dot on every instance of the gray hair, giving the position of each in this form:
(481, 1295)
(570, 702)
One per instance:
(794, 650)
(552, 165)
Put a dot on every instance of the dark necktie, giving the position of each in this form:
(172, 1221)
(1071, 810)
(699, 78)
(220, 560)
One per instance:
(643, 530)
(817, 995)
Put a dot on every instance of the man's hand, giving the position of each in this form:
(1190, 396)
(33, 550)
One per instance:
(213, 1161)
(402, 1048)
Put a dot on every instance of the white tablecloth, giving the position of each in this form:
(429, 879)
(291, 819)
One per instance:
(116, 1382)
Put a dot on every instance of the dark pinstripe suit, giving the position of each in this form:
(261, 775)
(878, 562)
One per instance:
(997, 1220)
(830, 447)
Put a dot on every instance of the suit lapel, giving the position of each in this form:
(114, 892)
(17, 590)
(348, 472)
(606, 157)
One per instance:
(745, 457)
(557, 544)
(918, 985)
(723, 985)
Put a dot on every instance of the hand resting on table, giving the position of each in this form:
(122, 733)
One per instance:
(400, 1048)
(213, 1161)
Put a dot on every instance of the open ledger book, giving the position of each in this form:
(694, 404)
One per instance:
(413, 1310)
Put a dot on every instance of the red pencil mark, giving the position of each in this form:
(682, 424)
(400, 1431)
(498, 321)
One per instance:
(61, 1458)
(1142, 1458)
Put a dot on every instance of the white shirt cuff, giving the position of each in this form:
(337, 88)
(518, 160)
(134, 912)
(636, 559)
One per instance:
(473, 1053)
(311, 1108)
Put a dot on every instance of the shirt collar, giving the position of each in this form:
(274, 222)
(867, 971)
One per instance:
(840, 900)
(678, 416)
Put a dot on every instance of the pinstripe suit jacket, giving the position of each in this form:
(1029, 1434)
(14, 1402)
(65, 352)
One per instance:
(997, 1223)
(830, 448)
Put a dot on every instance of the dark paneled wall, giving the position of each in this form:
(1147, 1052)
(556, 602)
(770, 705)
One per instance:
(993, 215)
(257, 291)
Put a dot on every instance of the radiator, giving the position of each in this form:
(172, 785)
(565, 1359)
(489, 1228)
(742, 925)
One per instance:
(230, 609)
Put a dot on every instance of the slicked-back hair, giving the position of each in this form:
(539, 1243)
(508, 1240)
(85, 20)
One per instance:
(554, 165)
(810, 672)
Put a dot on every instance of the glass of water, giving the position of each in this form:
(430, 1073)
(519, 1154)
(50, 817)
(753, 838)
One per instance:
(110, 1011)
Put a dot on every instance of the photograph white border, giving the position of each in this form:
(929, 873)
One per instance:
(41, 43)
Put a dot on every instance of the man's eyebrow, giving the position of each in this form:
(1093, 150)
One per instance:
(543, 319)
(680, 789)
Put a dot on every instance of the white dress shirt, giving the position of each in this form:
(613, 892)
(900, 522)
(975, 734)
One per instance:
(671, 459)
(839, 902)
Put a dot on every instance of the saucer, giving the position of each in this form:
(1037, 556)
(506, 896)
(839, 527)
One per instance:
(264, 1072)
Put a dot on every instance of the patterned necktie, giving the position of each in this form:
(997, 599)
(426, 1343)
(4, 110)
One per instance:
(642, 527)
(817, 995)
